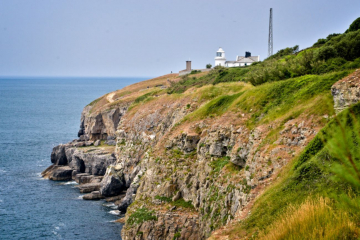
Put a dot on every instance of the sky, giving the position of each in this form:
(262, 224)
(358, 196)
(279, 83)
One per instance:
(148, 38)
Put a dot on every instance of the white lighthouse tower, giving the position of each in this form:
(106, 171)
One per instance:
(220, 58)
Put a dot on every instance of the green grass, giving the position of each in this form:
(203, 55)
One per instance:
(94, 102)
(182, 203)
(163, 199)
(215, 107)
(144, 98)
(141, 215)
(273, 100)
(219, 163)
(178, 203)
(215, 76)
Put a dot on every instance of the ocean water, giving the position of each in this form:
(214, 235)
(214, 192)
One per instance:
(36, 115)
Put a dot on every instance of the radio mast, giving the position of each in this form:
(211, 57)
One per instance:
(270, 47)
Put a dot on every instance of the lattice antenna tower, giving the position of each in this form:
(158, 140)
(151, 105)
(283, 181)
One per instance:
(270, 47)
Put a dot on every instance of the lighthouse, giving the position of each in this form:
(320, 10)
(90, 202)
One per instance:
(220, 58)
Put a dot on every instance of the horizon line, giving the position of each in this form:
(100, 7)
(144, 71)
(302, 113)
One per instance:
(22, 76)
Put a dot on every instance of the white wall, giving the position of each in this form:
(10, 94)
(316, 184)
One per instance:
(220, 62)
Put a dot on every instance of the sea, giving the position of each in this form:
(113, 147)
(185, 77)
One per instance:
(37, 114)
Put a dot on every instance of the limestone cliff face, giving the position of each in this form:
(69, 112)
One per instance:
(215, 166)
(100, 125)
(346, 91)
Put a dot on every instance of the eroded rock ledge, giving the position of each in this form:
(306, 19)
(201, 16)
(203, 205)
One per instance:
(91, 157)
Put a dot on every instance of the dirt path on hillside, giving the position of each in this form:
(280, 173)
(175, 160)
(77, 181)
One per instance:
(110, 97)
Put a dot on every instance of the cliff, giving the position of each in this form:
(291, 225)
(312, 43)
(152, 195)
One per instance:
(195, 157)
(192, 162)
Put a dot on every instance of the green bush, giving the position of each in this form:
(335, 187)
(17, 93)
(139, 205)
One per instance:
(284, 52)
(195, 71)
(354, 26)
(320, 42)
(326, 53)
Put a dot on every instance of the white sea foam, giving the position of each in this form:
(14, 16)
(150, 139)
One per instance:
(38, 175)
(69, 183)
(110, 205)
(80, 197)
(115, 212)
(2, 171)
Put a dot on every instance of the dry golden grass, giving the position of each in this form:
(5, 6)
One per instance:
(131, 92)
(314, 219)
(163, 80)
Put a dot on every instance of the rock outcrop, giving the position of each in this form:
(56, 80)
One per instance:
(86, 159)
(113, 182)
(101, 125)
(346, 92)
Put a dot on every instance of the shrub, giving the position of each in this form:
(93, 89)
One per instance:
(354, 26)
(326, 53)
(208, 65)
(195, 71)
(285, 52)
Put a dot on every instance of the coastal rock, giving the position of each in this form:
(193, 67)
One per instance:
(93, 162)
(110, 142)
(101, 125)
(78, 177)
(95, 195)
(60, 173)
(83, 178)
(89, 187)
(58, 156)
(97, 143)
(130, 194)
(113, 183)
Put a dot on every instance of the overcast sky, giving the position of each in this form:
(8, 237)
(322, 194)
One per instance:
(153, 37)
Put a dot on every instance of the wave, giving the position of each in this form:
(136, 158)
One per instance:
(110, 205)
(115, 212)
(69, 183)
(80, 197)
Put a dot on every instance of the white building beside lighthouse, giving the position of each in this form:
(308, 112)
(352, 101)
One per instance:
(240, 61)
